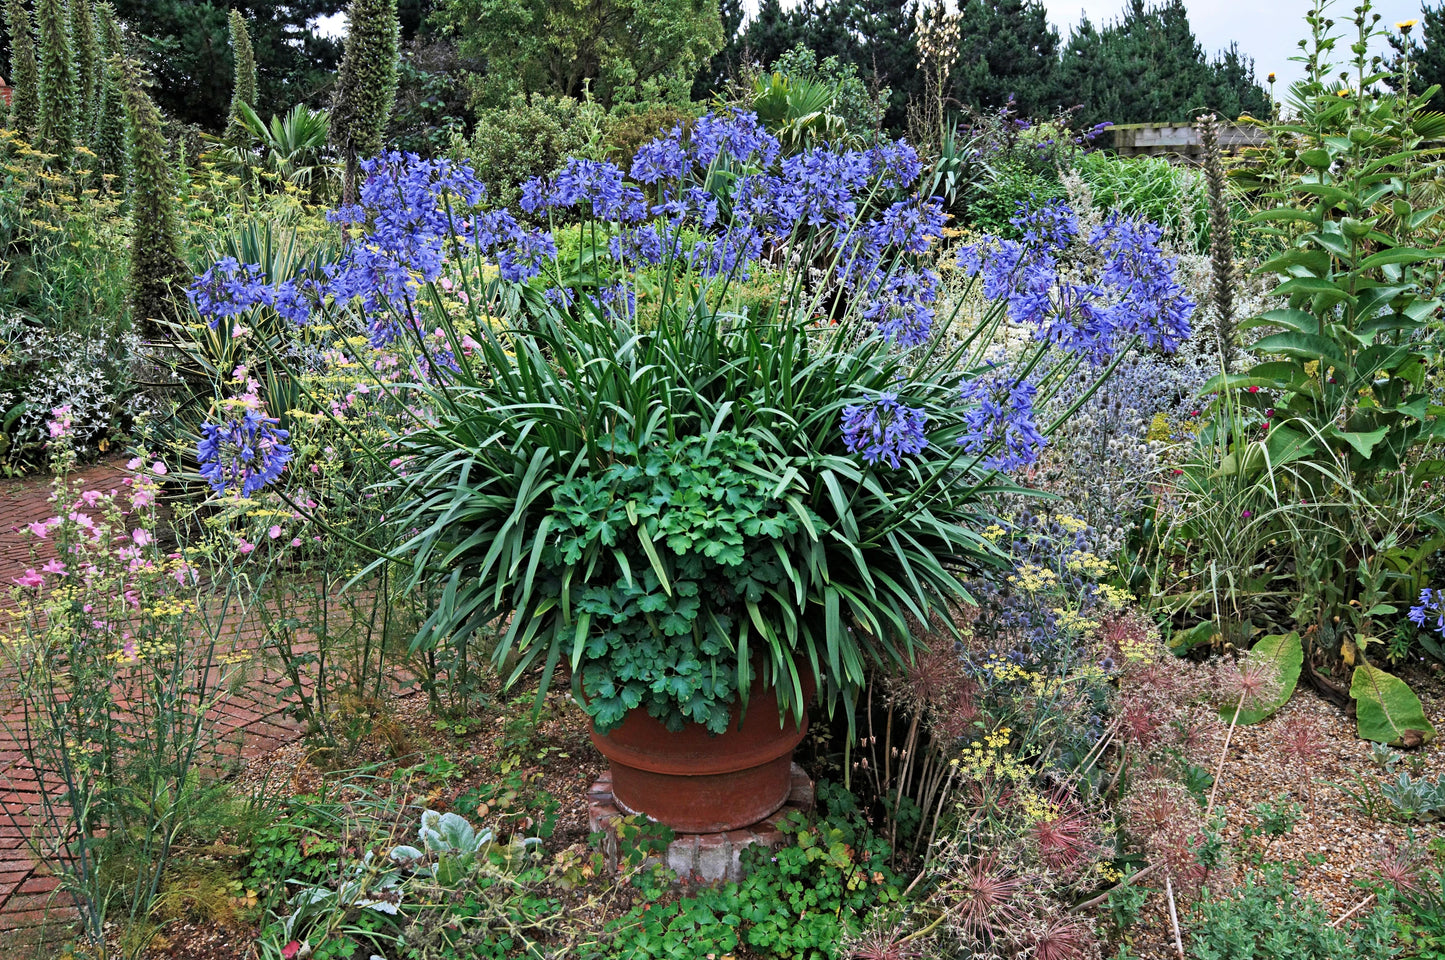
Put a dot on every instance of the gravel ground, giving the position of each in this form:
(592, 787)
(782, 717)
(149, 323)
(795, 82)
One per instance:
(1333, 826)
(1255, 771)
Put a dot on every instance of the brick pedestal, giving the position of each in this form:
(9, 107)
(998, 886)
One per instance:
(700, 857)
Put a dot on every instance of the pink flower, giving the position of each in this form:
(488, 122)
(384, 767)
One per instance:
(54, 566)
(30, 579)
(133, 464)
(159, 469)
(291, 949)
(274, 532)
(239, 373)
(91, 497)
(41, 527)
(129, 650)
(246, 547)
(141, 536)
(296, 542)
(143, 497)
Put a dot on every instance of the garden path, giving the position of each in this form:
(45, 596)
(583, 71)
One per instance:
(250, 722)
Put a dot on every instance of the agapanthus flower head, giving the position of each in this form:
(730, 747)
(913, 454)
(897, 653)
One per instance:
(739, 137)
(244, 453)
(1090, 294)
(229, 288)
(1427, 614)
(884, 430)
(999, 421)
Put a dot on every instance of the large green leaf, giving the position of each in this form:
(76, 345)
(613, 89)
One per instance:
(1282, 655)
(1305, 346)
(1387, 710)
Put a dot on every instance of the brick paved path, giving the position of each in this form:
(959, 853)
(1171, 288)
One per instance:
(249, 722)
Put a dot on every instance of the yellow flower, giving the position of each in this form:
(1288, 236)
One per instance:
(1404, 25)
(1271, 78)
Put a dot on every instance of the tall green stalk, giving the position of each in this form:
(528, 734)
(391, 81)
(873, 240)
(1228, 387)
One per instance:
(24, 70)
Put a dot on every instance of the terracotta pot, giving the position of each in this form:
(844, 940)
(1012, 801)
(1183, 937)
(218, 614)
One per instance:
(698, 782)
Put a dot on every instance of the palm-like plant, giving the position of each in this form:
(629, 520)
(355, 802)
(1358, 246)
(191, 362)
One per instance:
(798, 112)
(291, 149)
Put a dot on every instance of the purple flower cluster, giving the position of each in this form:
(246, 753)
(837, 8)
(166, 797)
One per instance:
(1428, 613)
(415, 215)
(244, 454)
(414, 212)
(1001, 418)
(1087, 294)
(884, 430)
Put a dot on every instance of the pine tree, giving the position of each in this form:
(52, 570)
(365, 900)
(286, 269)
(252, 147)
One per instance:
(770, 34)
(244, 87)
(1007, 50)
(55, 130)
(365, 86)
(726, 62)
(109, 143)
(87, 67)
(24, 70)
(156, 267)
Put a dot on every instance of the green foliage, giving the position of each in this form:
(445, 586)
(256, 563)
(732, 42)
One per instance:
(1008, 53)
(799, 902)
(623, 51)
(290, 150)
(1387, 710)
(1329, 437)
(859, 110)
(996, 201)
(185, 45)
(521, 422)
(56, 127)
(531, 137)
(431, 115)
(24, 68)
(1165, 193)
(1266, 918)
(365, 85)
(156, 267)
(243, 59)
(661, 628)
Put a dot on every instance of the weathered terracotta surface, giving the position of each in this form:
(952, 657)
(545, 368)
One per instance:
(697, 782)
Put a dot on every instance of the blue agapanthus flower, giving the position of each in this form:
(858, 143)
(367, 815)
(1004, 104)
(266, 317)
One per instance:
(243, 454)
(1427, 614)
(999, 421)
(884, 430)
(1089, 294)
(227, 289)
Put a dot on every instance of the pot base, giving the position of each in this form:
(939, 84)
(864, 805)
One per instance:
(711, 857)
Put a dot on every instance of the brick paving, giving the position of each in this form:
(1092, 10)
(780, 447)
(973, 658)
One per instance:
(247, 722)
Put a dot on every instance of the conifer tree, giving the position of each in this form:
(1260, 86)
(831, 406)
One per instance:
(1007, 51)
(55, 130)
(365, 86)
(24, 70)
(244, 87)
(87, 67)
(109, 142)
(156, 267)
